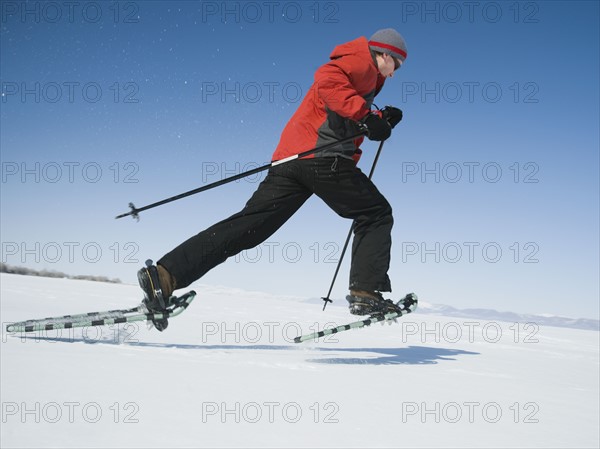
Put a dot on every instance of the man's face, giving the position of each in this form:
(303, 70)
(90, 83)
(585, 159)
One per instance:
(387, 65)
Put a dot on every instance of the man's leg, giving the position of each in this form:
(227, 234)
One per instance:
(351, 194)
(277, 198)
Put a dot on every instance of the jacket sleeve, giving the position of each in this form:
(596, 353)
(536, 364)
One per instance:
(335, 88)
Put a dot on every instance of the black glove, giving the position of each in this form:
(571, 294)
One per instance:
(377, 128)
(392, 115)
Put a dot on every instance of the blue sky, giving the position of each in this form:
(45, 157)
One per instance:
(492, 174)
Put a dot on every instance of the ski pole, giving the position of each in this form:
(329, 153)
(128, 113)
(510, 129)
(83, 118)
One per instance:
(134, 212)
(337, 269)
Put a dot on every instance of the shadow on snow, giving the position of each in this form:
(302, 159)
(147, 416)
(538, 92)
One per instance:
(410, 355)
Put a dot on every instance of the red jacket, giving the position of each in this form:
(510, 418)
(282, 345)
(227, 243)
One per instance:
(341, 95)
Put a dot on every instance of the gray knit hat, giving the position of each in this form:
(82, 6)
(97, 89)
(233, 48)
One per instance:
(390, 42)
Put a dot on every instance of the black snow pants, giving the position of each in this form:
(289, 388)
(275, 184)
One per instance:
(336, 180)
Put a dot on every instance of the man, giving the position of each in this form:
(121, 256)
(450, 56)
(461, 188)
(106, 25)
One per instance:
(337, 106)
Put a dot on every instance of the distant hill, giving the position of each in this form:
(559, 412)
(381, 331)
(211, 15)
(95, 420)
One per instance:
(490, 314)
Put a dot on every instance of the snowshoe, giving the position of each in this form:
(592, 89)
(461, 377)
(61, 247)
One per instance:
(155, 299)
(373, 303)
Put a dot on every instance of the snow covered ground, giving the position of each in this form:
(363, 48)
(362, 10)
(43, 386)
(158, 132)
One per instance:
(226, 374)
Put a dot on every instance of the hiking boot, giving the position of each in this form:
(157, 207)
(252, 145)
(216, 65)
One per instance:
(362, 302)
(157, 284)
